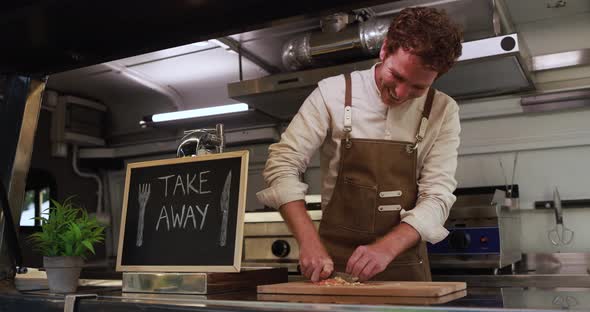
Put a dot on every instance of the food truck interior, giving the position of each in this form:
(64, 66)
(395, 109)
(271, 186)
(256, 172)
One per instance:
(105, 71)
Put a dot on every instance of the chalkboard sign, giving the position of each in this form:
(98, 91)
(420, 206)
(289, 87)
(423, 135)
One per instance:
(184, 214)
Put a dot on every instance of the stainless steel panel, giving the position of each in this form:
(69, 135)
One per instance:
(273, 229)
(556, 101)
(487, 67)
(519, 280)
(275, 216)
(201, 283)
(260, 249)
(180, 283)
(555, 263)
(534, 270)
(510, 232)
(471, 222)
(493, 76)
(464, 262)
(232, 137)
(281, 95)
(475, 212)
(561, 60)
(291, 266)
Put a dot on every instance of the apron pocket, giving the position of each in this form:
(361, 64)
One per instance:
(411, 265)
(409, 257)
(352, 207)
(405, 272)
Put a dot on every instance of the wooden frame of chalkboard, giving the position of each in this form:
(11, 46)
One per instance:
(189, 216)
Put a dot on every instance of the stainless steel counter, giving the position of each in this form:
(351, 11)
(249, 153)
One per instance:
(476, 299)
(535, 270)
(108, 296)
(541, 282)
(521, 280)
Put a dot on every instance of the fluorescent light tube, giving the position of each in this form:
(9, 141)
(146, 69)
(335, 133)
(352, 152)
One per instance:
(200, 112)
(201, 43)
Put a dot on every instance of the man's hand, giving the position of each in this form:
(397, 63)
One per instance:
(315, 262)
(368, 260)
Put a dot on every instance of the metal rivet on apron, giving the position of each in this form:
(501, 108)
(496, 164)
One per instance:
(389, 208)
(390, 194)
(348, 143)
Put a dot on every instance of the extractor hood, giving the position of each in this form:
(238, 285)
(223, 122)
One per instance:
(487, 67)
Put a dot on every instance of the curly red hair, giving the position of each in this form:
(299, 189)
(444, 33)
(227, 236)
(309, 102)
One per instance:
(428, 33)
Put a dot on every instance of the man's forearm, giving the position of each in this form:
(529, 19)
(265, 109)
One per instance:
(315, 262)
(400, 239)
(299, 222)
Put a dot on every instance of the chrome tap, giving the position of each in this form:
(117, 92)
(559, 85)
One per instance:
(202, 141)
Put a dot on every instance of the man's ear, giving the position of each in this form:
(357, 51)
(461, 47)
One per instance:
(383, 51)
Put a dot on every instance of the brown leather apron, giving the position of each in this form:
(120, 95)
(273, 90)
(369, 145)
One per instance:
(376, 179)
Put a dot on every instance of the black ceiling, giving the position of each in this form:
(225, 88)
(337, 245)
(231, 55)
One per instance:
(42, 37)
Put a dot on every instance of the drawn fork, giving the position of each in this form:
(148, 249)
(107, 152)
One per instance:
(142, 198)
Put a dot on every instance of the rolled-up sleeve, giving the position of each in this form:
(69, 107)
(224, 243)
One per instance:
(291, 156)
(437, 183)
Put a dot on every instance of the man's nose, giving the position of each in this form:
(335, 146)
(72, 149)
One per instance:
(402, 91)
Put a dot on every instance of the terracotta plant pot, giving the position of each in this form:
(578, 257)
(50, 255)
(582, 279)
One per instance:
(63, 273)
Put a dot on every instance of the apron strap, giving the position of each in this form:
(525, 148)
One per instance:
(424, 121)
(348, 110)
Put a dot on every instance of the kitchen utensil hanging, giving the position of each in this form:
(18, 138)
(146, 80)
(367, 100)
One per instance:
(509, 187)
(560, 235)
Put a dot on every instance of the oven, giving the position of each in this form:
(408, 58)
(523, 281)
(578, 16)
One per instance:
(484, 231)
(268, 241)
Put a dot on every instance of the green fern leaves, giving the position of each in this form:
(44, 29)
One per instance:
(67, 231)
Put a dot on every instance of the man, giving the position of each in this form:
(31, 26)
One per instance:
(388, 151)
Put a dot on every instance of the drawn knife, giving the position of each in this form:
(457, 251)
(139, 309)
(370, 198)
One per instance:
(224, 205)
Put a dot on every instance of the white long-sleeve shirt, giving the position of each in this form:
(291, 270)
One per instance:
(319, 124)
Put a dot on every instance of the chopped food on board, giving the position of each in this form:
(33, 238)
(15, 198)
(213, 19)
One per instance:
(336, 281)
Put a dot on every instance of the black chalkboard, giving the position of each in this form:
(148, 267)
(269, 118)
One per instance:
(184, 214)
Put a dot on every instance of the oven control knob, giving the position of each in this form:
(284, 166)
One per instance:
(280, 248)
(459, 240)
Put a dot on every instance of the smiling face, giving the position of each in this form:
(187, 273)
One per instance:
(402, 76)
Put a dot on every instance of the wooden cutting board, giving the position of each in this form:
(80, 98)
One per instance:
(376, 288)
(374, 300)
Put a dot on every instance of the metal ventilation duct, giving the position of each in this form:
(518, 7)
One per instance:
(324, 48)
(492, 66)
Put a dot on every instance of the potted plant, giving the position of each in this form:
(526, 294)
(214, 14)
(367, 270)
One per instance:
(67, 236)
